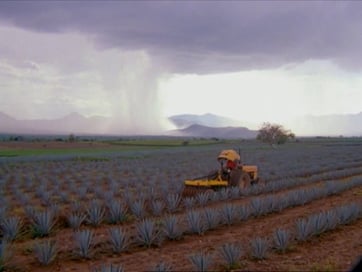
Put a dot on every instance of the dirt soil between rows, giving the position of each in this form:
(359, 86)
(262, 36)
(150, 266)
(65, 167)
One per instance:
(337, 250)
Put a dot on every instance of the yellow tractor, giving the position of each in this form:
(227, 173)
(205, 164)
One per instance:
(231, 174)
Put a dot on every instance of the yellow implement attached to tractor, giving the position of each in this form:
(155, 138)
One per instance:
(231, 174)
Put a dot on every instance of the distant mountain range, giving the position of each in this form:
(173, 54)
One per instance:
(72, 123)
(196, 130)
(208, 119)
(206, 125)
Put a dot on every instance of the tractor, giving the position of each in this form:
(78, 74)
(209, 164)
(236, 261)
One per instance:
(232, 173)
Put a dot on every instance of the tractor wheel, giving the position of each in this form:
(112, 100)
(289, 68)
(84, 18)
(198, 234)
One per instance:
(234, 177)
(244, 181)
(239, 178)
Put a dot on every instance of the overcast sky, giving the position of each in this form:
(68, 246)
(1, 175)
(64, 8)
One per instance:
(145, 60)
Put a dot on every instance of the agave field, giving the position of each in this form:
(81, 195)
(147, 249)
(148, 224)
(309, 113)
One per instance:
(124, 211)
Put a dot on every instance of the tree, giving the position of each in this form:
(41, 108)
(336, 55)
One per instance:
(274, 134)
(71, 138)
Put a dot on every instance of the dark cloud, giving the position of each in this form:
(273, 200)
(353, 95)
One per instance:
(207, 36)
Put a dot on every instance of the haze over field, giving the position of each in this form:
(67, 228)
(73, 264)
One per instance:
(137, 63)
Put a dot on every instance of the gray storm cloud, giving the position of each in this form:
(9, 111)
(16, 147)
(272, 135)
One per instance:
(61, 73)
(205, 37)
(109, 55)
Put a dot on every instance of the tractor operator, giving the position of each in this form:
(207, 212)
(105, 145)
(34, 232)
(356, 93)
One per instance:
(228, 160)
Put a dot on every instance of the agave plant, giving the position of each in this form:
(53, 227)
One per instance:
(189, 202)
(138, 208)
(331, 219)
(178, 187)
(234, 192)
(228, 213)
(157, 207)
(162, 267)
(303, 230)
(117, 211)
(40, 190)
(201, 261)
(95, 213)
(11, 227)
(224, 193)
(108, 195)
(231, 253)
(273, 204)
(84, 240)
(259, 248)
(55, 209)
(202, 198)
(214, 196)
(317, 223)
(46, 198)
(281, 239)
(242, 212)
(75, 220)
(76, 206)
(195, 221)
(24, 199)
(258, 206)
(43, 223)
(109, 268)
(64, 196)
(333, 187)
(348, 213)
(171, 227)
(172, 202)
(119, 240)
(147, 233)
(45, 252)
(212, 218)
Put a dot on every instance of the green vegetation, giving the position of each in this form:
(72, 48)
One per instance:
(164, 142)
(110, 147)
(103, 148)
(44, 151)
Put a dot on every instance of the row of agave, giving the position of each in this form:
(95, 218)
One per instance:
(282, 239)
(157, 203)
(80, 180)
(299, 163)
(147, 234)
(118, 212)
(151, 232)
(115, 211)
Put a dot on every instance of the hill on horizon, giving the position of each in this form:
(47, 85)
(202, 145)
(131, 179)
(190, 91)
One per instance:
(205, 125)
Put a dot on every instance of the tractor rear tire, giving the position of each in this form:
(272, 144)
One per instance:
(244, 181)
(239, 178)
